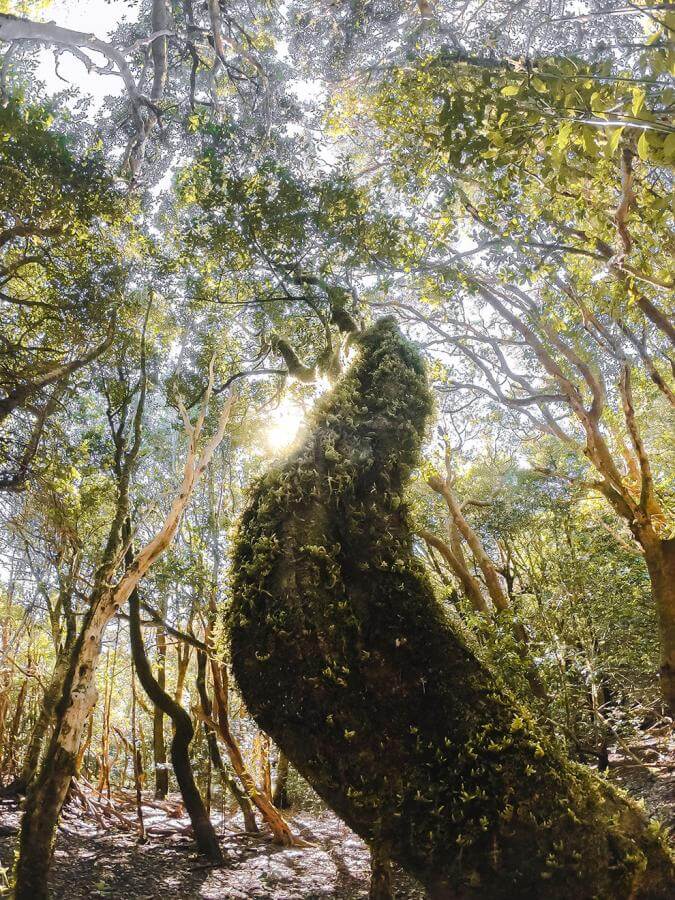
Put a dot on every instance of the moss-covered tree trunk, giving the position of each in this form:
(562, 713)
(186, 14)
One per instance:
(660, 559)
(344, 655)
(39, 731)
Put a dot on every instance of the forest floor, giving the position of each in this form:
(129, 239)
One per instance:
(96, 861)
(93, 862)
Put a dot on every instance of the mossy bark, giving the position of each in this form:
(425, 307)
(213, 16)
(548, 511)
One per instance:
(39, 732)
(660, 559)
(381, 887)
(38, 826)
(48, 790)
(345, 657)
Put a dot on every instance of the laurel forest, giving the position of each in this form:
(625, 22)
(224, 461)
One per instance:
(337, 547)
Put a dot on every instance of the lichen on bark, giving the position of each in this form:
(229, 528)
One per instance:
(345, 656)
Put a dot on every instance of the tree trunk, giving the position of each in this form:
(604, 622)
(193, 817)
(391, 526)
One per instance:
(47, 793)
(380, 876)
(204, 833)
(5, 673)
(346, 658)
(8, 760)
(660, 559)
(43, 722)
(263, 743)
(460, 528)
(470, 585)
(280, 796)
(271, 815)
(158, 746)
(183, 653)
(250, 824)
(138, 763)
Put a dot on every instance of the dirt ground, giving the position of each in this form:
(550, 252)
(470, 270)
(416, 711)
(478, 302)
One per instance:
(95, 862)
(92, 863)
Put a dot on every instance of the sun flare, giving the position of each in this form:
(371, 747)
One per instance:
(283, 425)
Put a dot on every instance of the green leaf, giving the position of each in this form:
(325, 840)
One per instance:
(540, 86)
(564, 134)
(643, 146)
(613, 140)
(590, 145)
(639, 97)
(510, 90)
(653, 37)
(669, 149)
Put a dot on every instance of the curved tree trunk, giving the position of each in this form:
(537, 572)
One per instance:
(158, 746)
(243, 801)
(204, 833)
(345, 656)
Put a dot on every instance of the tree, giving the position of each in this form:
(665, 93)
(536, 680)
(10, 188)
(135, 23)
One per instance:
(205, 835)
(336, 634)
(61, 277)
(48, 793)
(556, 310)
(496, 175)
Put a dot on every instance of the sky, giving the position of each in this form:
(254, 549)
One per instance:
(94, 16)
(102, 19)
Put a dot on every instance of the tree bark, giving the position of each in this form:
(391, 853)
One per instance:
(8, 759)
(204, 833)
(381, 887)
(344, 656)
(280, 796)
(250, 824)
(159, 748)
(469, 584)
(183, 654)
(48, 791)
(660, 559)
(42, 724)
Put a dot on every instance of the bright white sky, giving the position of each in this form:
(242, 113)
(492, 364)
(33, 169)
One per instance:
(102, 18)
(93, 16)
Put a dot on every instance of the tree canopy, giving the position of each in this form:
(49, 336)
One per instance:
(204, 208)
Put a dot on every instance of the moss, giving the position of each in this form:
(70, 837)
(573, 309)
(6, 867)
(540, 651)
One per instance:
(344, 655)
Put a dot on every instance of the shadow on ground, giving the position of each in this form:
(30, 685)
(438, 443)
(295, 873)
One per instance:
(92, 863)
